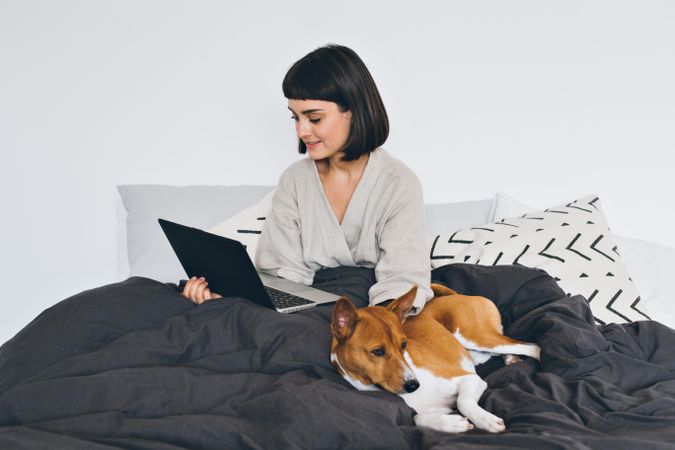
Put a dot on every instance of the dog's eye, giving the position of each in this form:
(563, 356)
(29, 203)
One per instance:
(404, 344)
(378, 351)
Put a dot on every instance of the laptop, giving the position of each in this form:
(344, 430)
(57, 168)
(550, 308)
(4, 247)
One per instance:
(230, 272)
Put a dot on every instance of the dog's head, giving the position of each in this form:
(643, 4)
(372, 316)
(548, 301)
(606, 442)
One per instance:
(369, 345)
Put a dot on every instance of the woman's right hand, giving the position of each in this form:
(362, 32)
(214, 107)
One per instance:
(197, 291)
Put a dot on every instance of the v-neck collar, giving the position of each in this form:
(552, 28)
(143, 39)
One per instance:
(346, 235)
(355, 195)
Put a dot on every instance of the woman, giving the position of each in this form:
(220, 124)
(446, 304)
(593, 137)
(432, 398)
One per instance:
(349, 203)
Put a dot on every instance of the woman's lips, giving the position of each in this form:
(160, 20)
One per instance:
(311, 145)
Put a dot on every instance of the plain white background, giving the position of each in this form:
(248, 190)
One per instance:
(544, 100)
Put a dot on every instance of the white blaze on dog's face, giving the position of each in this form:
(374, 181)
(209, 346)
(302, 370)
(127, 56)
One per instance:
(369, 344)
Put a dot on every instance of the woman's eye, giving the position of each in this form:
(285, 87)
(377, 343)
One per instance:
(314, 120)
(378, 352)
(294, 118)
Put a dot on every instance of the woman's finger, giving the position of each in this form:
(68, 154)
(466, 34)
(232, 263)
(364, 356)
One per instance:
(211, 295)
(199, 291)
(207, 294)
(188, 290)
(193, 290)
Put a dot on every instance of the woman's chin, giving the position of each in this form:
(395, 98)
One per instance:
(316, 154)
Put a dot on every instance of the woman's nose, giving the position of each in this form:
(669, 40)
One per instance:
(302, 128)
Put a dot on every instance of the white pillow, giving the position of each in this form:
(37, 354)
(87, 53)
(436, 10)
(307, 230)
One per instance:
(147, 251)
(571, 242)
(507, 206)
(651, 266)
(246, 226)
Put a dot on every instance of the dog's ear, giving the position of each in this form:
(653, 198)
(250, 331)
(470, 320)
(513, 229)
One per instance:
(442, 291)
(344, 320)
(401, 306)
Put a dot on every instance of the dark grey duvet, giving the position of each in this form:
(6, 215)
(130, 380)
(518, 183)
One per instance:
(135, 365)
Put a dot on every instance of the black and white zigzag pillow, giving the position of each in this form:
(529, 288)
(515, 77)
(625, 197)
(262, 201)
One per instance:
(571, 242)
(246, 226)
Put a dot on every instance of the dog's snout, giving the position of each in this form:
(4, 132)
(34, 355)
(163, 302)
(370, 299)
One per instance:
(411, 386)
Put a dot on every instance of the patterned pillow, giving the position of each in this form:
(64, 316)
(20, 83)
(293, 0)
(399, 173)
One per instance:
(571, 242)
(246, 226)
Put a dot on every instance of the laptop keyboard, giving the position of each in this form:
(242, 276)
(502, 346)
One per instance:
(282, 299)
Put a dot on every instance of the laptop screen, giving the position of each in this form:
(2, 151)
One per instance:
(223, 262)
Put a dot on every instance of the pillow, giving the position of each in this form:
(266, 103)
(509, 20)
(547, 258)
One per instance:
(650, 265)
(246, 226)
(507, 206)
(572, 242)
(443, 217)
(148, 251)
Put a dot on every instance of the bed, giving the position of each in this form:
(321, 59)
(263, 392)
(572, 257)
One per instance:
(135, 365)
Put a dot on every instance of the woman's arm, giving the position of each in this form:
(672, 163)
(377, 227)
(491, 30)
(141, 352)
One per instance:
(404, 260)
(279, 250)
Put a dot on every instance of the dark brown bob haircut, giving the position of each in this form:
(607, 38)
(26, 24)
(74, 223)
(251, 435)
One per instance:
(335, 73)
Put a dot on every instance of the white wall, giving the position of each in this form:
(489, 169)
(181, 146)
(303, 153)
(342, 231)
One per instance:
(544, 100)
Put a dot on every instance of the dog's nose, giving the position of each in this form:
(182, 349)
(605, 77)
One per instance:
(411, 386)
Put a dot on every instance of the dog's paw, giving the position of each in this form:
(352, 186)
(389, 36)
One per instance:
(454, 423)
(489, 422)
(448, 423)
(536, 354)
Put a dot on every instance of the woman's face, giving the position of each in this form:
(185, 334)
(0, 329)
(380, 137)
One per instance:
(321, 125)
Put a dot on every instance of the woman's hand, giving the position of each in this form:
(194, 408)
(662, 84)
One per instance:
(197, 291)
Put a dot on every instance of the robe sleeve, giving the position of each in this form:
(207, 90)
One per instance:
(279, 250)
(404, 260)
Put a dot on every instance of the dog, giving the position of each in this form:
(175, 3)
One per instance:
(429, 359)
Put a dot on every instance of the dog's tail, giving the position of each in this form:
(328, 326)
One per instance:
(441, 291)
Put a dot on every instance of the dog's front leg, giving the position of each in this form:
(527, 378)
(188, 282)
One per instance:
(448, 423)
(471, 387)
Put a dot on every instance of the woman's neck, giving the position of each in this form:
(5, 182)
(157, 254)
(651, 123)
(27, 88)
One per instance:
(335, 166)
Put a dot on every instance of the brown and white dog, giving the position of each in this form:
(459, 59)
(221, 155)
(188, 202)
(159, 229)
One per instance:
(428, 359)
